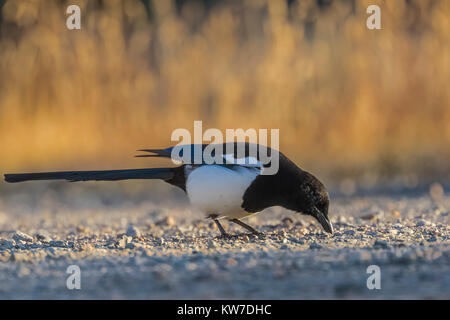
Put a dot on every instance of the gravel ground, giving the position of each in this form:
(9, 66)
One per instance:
(129, 248)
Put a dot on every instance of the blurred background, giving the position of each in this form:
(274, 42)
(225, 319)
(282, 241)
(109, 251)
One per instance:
(353, 106)
(366, 111)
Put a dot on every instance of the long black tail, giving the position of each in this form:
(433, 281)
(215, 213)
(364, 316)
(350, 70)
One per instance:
(110, 175)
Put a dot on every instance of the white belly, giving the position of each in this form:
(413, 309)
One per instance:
(218, 190)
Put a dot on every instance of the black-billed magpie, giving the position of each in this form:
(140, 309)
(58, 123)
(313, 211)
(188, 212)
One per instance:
(232, 189)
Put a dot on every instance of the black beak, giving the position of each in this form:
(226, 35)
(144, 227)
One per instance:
(324, 221)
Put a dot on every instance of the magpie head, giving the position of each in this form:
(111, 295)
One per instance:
(314, 201)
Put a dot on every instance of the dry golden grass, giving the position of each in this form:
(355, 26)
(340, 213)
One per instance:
(346, 99)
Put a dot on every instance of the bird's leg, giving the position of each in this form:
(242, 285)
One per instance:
(246, 226)
(222, 230)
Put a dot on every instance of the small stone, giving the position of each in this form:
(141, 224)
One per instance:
(43, 237)
(132, 231)
(130, 245)
(373, 216)
(422, 223)
(21, 244)
(57, 243)
(349, 232)
(211, 244)
(22, 237)
(419, 237)
(122, 243)
(315, 245)
(6, 244)
(370, 216)
(393, 232)
(86, 247)
(381, 244)
(81, 229)
(167, 221)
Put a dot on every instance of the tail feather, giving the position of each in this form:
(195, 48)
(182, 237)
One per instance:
(108, 175)
(157, 153)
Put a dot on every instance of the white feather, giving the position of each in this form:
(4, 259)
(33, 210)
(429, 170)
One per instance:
(215, 189)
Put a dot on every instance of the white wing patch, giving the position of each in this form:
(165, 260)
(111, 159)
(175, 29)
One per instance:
(216, 189)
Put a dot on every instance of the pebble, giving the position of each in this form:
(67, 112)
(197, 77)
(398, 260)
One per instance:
(6, 244)
(122, 242)
(167, 221)
(57, 243)
(131, 245)
(381, 244)
(370, 216)
(422, 223)
(20, 236)
(43, 236)
(211, 244)
(315, 245)
(373, 216)
(81, 229)
(393, 232)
